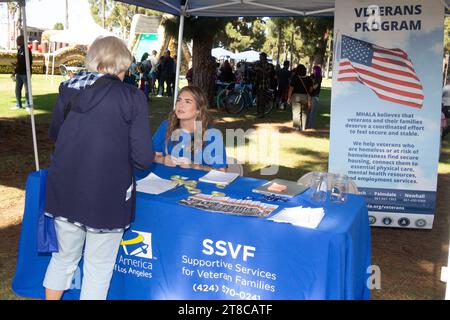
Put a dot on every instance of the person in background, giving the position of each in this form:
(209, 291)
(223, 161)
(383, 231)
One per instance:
(300, 88)
(316, 77)
(283, 77)
(139, 66)
(158, 74)
(226, 73)
(174, 73)
(187, 138)
(130, 75)
(145, 68)
(20, 72)
(262, 83)
(91, 191)
(273, 82)
(167, 67)
(154, 61)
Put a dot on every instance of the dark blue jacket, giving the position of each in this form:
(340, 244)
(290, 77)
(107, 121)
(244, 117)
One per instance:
(104, 137)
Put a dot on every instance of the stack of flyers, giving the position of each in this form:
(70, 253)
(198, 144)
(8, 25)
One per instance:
(229, 205)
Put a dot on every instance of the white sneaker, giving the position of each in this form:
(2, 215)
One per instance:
(15, 108)
(159, 95)
(27, 109)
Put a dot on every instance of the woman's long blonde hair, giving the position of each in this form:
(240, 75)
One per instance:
(203, 115)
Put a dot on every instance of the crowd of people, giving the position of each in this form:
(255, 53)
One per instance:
(156, 76)
(292, 87)
(152, 75)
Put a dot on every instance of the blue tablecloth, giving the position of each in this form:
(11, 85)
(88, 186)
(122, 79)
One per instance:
(177, 252)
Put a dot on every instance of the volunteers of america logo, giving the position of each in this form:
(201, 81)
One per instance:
(137, 243)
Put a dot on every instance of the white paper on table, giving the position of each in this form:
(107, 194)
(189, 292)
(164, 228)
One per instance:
(219, 177)
(299, 216)
(154, 185)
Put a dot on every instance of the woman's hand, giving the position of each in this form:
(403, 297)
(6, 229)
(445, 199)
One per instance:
(168, 161)
(183, 162)
(177, 161)
(159, 158)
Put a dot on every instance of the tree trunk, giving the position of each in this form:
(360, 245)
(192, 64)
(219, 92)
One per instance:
(310, 64)
(292, 45)
(204, 69)
(327, 73)
(285, 52)
(187, 58)
(320, 50)
(164, 44)
(280, 29)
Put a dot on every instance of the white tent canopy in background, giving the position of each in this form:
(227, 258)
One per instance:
(78, 35)
(83, 35)
(222, 53)
(249, 56)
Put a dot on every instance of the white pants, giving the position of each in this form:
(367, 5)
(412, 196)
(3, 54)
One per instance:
(299, 110)
(100, 255)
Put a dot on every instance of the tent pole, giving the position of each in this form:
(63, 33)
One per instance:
(180, 42)
(30, 95)
(53, 62)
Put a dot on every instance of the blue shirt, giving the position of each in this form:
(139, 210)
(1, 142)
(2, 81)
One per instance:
(213, 153)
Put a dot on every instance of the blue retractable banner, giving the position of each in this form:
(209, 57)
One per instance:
(386, 106)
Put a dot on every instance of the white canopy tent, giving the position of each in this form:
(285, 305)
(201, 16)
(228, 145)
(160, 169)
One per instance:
(249, 56)
(84, 34)
(222, 53)
(81, 35)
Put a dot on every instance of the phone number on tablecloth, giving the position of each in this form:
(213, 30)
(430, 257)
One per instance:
(197, 287)
(241, 294)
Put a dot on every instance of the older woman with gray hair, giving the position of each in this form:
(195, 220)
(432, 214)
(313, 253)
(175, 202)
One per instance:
(101, 132)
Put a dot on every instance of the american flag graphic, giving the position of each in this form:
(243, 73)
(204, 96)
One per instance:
(388, 72)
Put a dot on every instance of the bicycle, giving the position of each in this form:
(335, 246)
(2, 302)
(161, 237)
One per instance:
(225, 89)
(242, 97)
